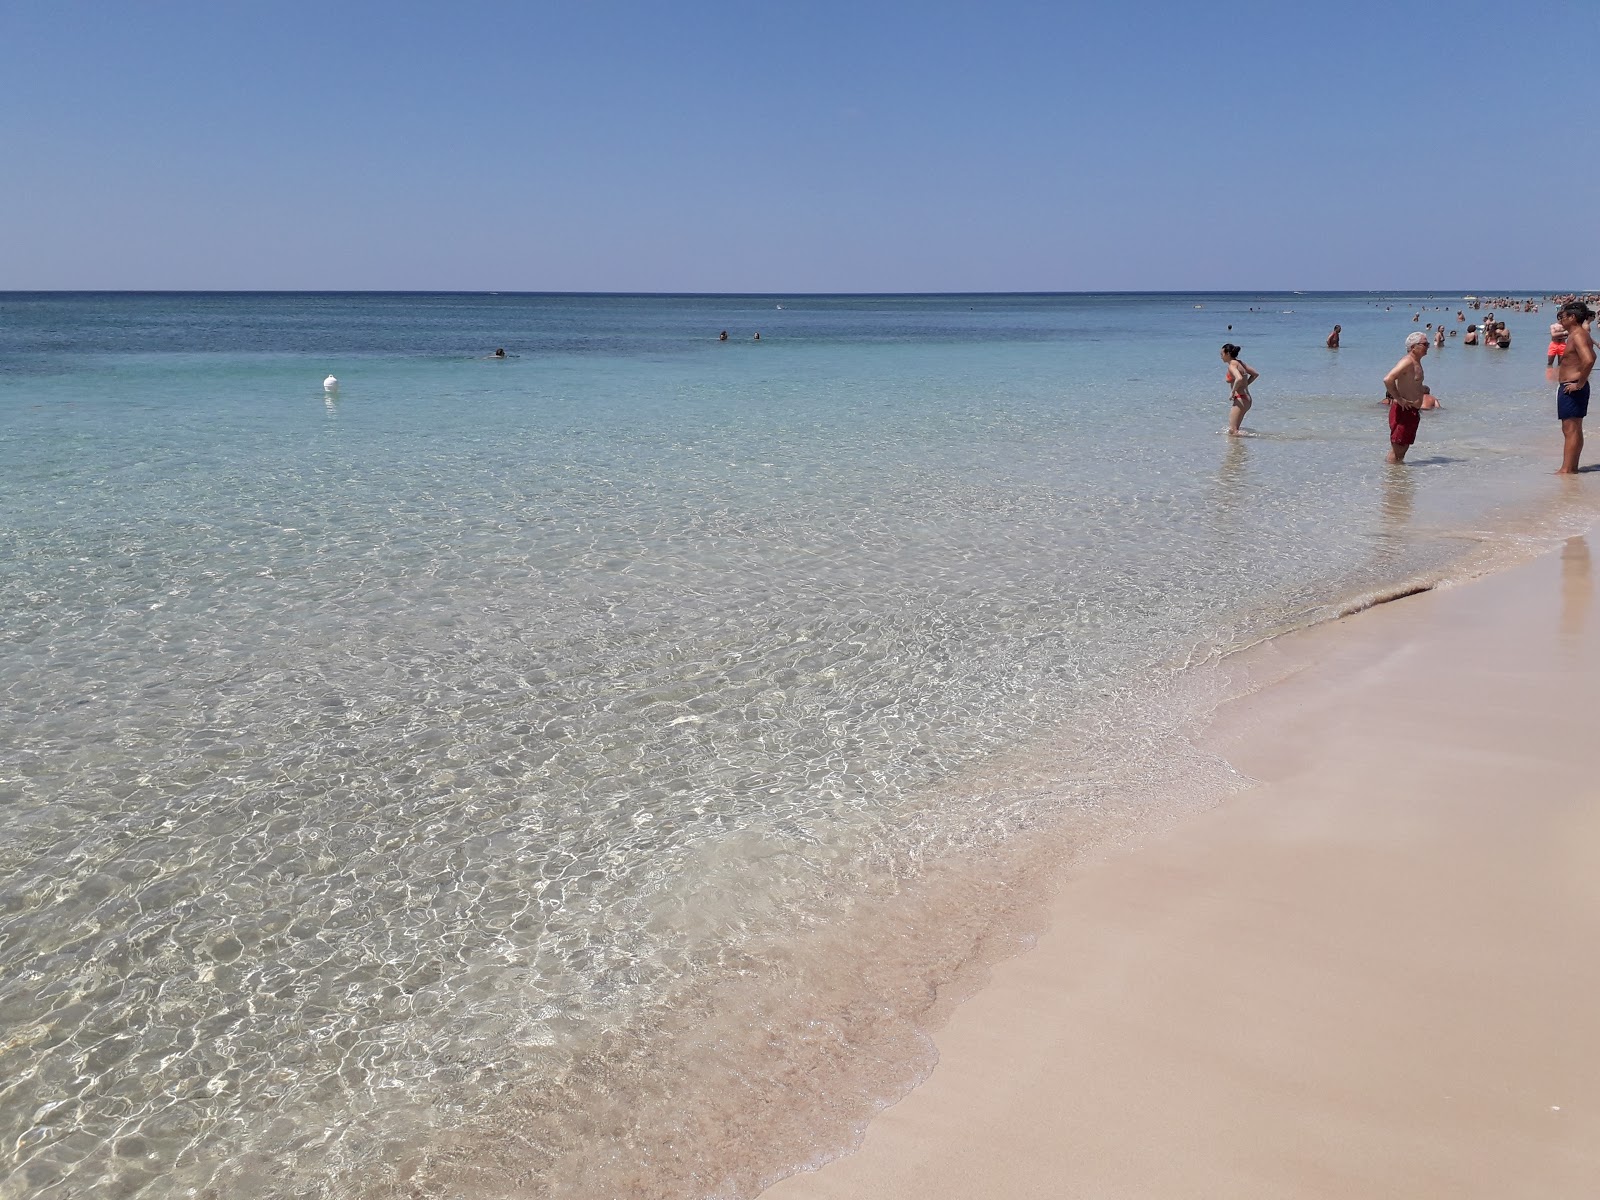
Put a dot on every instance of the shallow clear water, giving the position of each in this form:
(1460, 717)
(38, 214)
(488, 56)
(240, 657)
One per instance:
(376, 766)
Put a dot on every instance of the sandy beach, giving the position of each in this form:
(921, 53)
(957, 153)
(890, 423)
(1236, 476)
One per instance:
(1371, 974)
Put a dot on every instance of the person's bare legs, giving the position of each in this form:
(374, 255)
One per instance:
(1572, 448)
(1241, 405)
(1397, 453)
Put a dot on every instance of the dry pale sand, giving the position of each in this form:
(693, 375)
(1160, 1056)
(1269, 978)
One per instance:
(1377, 974)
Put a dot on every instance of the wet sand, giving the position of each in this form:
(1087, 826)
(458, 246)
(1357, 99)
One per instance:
(1373, 974)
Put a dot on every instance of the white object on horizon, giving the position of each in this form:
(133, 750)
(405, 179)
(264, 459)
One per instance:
(330, 385)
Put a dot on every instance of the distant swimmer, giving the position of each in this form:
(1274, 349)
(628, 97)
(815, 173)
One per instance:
(723, 336)
(1572, 393)
(1333, 338)
(1472, 336)
(1438, 337)
(1239, 378)
(500, 353)
(757, 337)
(1429, 400)
(1403, 387)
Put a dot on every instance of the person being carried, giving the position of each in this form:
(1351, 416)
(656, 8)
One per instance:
(1403, 388)
(1239, 378)
(1333, 339)
(1572, 393)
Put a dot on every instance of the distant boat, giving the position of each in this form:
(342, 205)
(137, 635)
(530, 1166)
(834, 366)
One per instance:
(780, 306)
(1469, 297)
(1199, 305)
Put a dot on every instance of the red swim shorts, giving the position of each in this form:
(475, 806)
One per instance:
(1403, 424)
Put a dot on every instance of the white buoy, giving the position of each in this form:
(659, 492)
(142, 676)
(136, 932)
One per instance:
(330, 385)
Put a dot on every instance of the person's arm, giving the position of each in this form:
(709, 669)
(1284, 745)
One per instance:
(1251, 375)
(1392, 379)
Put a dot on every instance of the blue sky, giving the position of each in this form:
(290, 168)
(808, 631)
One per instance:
(595, 145)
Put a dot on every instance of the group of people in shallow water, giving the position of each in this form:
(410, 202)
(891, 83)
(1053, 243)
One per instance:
(1406, 395)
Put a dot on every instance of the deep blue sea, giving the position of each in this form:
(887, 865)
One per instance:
(575, 774)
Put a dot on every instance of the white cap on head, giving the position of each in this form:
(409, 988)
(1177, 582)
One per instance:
(1416, 339)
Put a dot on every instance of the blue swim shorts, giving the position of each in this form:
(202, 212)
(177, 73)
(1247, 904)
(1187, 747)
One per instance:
(1572, 404)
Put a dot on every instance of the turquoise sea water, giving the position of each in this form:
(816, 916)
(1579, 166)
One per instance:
(387, 775)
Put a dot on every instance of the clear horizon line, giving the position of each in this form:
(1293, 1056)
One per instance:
(1435, 291)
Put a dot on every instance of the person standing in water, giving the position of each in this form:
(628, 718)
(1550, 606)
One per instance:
(1572, 393)
(1558, 343)
(1403, 388)
(1333, 338)
(1240, 377)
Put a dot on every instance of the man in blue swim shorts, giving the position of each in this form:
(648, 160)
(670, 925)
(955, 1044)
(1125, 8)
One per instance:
(1572, 393)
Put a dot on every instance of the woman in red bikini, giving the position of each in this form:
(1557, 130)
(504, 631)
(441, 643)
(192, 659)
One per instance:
(1240, 377)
